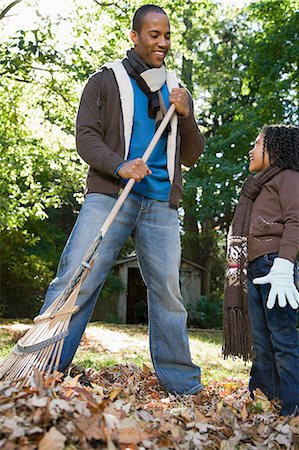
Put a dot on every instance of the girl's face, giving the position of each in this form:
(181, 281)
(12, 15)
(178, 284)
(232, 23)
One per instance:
(258, 157)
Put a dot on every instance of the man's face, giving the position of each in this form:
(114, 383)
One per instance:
(153, 41)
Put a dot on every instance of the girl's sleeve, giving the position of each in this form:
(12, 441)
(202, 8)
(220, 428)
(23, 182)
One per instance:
(289, 199)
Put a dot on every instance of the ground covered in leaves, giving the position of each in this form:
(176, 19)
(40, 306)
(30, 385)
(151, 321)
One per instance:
(123, 407)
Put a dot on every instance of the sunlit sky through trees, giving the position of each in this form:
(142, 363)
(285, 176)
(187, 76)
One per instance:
(24, 15)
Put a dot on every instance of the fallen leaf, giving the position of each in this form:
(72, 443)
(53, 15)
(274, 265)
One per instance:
(14, 428)
(6, 407)
(52, 440)
(294, 424)
(58, 405)
(146, 369)
(261, 401)
(146, 416)
(111, 422)
(113, 394)
(90, 427)
(125, 407)
(244, 413)
(39, 402)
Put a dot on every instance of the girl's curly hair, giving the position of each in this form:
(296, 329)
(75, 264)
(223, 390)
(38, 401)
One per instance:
(282, 145)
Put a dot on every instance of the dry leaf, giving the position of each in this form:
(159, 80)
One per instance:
(129, 436)
(146, 369)
(244, 413)
(6, 407)
(39, 402)
(294, 424)
(143, 416)
(52, 440)
(13, 427)
(112, 422)
(58, 405)
(225, 445)
(91, 427)
(113, 394)
(261, 400)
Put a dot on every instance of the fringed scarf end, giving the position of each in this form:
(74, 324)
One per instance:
(237, 340)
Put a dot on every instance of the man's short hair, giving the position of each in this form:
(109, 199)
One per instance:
(140, 14)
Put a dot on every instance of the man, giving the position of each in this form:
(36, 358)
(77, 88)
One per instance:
(120, 109)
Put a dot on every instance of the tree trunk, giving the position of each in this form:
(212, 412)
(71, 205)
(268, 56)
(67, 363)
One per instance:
(208, 254)
(191, 248)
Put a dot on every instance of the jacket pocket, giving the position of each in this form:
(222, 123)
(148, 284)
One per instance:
(262, 229)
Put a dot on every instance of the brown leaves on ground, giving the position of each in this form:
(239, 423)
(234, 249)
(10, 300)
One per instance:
(123, 407)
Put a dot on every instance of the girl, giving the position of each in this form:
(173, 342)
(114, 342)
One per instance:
(262, 247)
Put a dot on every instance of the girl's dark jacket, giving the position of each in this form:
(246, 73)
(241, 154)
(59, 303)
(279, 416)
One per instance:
(103, 130)
(274, 219)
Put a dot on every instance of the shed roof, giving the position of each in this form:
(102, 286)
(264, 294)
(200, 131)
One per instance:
(133, 257)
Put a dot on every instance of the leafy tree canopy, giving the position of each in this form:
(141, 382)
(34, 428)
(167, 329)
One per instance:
(241, 67)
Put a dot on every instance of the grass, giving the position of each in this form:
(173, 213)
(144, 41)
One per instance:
(109, 344)
(5, 343)
(129, 344)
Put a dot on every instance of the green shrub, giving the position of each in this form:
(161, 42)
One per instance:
(205, 313)
(24, 276)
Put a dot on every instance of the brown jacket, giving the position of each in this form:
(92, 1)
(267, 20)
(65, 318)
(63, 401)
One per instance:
(100, 137)
(274, 222)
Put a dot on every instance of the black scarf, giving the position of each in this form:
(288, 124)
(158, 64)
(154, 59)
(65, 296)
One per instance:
(156, 106)
(237, 339)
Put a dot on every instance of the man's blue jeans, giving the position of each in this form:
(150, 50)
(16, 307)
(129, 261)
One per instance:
(154, 227)
(275, 369)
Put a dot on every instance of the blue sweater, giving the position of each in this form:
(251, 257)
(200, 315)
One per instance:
(156, 185)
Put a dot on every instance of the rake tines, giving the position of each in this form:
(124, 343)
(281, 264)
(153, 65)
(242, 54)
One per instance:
(40, 348)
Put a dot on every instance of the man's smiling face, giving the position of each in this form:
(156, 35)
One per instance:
(153, 41)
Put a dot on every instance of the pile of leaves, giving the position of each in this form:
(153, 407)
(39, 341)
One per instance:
(124, 407)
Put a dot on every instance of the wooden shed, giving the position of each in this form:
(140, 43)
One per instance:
(130, 305)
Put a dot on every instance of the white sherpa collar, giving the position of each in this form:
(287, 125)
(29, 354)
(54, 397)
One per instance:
(126, 99)
(127, 105)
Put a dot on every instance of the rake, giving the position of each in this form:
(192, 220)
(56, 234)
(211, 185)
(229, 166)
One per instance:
(40, 348)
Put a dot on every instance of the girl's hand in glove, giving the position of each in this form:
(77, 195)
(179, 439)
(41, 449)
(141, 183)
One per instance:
(281, 278)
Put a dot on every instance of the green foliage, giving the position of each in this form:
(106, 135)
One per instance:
(241, 67)
(24, 275)
(205, 313)
(40, 171)
(248, 76)
(112, 284)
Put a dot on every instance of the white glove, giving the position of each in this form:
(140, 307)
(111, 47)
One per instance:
(281, 278)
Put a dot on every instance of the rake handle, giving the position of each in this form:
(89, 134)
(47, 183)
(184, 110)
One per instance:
(131, 181)
(87, 259)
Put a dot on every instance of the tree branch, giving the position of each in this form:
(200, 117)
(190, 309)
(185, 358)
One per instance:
(108, 4)
(5, 10)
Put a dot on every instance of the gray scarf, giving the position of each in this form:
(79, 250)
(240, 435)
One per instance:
(150, 81)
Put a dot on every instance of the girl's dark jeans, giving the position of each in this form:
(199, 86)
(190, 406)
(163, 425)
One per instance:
(275, 369)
